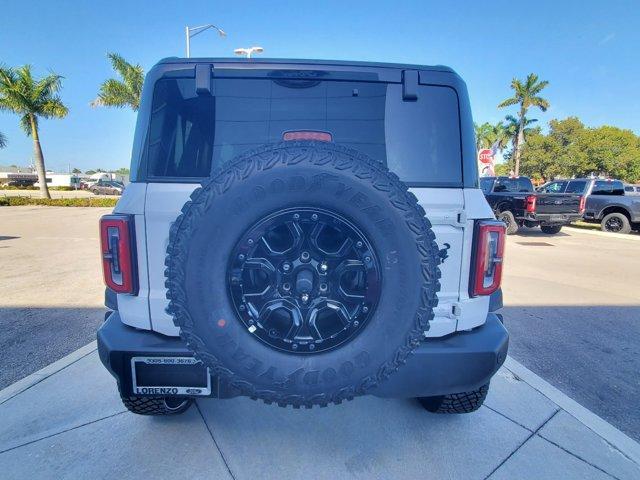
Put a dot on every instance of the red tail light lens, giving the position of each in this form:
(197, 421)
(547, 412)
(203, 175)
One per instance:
(531, 204)
(307, 135)
(582, 204)
(117, 241)
(489, 255)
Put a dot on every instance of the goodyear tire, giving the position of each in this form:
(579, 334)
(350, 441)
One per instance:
(465, 402)
(315, 181)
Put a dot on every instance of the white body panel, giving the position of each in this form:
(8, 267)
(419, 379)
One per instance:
(134, 309)
(163, 204)
(450, 210)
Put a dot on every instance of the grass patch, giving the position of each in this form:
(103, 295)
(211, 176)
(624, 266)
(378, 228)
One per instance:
(59, 202)
(586, 225)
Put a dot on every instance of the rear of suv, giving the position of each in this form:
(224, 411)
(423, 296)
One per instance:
(302, 232)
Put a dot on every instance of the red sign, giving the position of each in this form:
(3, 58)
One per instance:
(485, 156)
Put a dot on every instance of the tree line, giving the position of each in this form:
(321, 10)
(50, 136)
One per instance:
(569, 148)
(33, 99)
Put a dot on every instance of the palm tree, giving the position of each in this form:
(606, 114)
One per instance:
(121, 93)
(3, 140)
(526, 95)
(511, 127)
(32, 99)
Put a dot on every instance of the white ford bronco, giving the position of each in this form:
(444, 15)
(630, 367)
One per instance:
(302, 233)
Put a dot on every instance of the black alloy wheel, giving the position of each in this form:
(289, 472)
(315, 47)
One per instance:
(304, 280)
(613, 224)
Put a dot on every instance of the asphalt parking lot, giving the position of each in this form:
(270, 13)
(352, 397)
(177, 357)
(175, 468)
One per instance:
(571, 304)
(51, 293)
(573, 311)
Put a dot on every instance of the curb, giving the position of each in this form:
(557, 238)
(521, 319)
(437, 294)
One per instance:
(593, 422)
(621, 236)
(44, 373)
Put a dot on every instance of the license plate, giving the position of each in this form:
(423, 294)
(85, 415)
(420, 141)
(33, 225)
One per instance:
(557, 218)
(169, 376)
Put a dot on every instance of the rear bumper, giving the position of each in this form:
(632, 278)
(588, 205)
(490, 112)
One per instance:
(457, 363)
(552, 218)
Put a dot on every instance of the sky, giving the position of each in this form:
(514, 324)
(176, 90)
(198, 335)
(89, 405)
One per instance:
(588, 51)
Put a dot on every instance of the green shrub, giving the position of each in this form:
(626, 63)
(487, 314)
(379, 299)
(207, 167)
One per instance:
(59, 202)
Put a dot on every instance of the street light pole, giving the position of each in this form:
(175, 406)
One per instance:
(193, 31)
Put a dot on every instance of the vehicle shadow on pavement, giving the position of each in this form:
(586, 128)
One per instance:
(34, 337)
(591, 353)
(536, 232)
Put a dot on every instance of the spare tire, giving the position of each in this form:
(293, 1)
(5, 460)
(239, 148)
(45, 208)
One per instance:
(302, 273)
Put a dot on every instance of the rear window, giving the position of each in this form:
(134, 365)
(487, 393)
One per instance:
(577, 186)
(521, 184)
(486, 184)
(190, 135)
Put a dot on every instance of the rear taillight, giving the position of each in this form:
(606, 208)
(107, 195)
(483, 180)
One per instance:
(489, 255)
(531, 204)
(582, 204)
(117, 241)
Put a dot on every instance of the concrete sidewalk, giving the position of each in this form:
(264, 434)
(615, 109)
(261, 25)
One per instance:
(66, 421)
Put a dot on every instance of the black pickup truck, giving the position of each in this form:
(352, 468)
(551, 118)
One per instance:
(515, 202)
(607, 202)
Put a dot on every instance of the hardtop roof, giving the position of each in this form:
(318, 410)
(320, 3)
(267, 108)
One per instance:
(280, 61)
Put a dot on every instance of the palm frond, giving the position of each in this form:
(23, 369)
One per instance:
(25, 124)
(3, 140)
(121, 93)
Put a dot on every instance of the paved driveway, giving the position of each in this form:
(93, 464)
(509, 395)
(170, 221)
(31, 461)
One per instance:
(573, 312)
(51, 291)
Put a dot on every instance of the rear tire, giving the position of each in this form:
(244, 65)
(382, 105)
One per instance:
(465, 402)
(551, 229)
(156, 405)
(615, 223)
(508, 218)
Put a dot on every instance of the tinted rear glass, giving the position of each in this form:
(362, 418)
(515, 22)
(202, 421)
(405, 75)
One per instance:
(521, 184)
(486, 184)
(191, 135)
(576, 186)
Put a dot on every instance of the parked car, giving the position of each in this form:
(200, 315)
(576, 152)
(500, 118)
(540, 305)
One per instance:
(515, 202)
(607, 202)
(284, 259)
(106, 187)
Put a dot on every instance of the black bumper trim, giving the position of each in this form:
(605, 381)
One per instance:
(459, 362)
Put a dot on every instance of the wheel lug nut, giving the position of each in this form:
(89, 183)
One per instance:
(314, 217)
(312, 346)
(241, 256)
(294, 346)
(305, 256)
(324, 267)
(304, 297)
(323, 287)
(241, 308)
(286, 266)
(359, 244)
(367, 259)
(365, 309)
(296, 216)
(250, 241)
(286, 287)
(356, 323)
